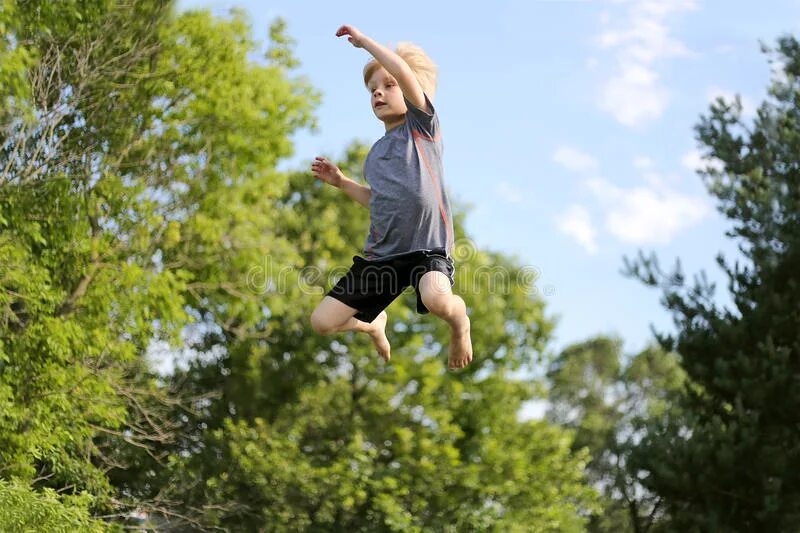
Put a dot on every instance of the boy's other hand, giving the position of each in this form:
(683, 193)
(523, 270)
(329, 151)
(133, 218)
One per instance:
(326, 171)
(356, 37)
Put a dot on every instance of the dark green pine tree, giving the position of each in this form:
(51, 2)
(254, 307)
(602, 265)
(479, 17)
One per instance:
(731, 460)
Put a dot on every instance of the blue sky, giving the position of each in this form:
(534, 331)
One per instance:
(568, 127)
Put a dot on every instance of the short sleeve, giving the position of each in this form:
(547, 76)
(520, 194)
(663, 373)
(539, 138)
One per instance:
(422, 121)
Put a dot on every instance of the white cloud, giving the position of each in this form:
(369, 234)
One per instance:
(574, 159)
(654, 179)
(694, 160)
(748, 107)
(577, 223)
(633, 94)
(642, 162)
(646, 215)
(509, 193)
(634, 98)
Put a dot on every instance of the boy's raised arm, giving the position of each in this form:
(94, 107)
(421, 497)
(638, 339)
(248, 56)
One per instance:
(393, 63)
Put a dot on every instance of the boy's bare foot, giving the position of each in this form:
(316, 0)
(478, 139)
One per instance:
(378, 334)
(460, 352)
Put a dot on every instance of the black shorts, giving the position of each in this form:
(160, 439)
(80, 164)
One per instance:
(370, 286)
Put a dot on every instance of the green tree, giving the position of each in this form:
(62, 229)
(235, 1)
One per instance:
(24, 510)
(315, 433)
(608, 399)
(731, 460)
(126, 128)
(67, 343)
(140, 202)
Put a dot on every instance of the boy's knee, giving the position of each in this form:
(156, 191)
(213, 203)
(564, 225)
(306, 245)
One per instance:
(320, 324)
(438, 304)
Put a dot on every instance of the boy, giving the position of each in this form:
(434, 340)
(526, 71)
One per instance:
(411, 229)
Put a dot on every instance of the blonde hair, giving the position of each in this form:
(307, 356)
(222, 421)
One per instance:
(421, 65)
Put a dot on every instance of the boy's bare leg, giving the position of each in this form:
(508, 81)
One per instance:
(438, 298)
(375, 329)
(327, 319)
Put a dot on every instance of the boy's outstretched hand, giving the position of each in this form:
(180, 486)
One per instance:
(356, 37)
(326, 171)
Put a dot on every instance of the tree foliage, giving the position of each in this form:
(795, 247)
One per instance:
(141, 206)
(731, 459)
(609, 400)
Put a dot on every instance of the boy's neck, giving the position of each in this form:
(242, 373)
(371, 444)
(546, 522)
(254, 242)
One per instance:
(392, 125)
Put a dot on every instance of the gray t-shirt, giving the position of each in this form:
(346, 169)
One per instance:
(409, 209)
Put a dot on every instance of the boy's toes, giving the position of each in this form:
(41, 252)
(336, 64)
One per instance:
(460, 352)
(383, 346)
(385, 351)
(457, 362)
(378, 335)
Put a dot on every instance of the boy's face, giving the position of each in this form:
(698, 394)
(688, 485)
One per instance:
(386, 97)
